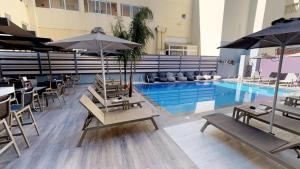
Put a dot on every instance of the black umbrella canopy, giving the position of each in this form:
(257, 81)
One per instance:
(282, 32)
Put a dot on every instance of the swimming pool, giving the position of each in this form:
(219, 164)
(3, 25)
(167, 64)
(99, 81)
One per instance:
(204, 96)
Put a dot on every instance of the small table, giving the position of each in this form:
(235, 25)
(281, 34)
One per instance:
(247, 111)
(6, 90)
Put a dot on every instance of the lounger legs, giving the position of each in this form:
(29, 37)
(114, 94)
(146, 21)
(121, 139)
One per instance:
(81, 138)
(12, 142)
(204, 126)
(34, 122)
(297, 152)
(154, 123)
(21, 128)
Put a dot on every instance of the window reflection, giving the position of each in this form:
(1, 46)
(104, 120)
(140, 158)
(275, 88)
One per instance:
(72, 4)
(42, 3)
(60, 4)
(114, 9)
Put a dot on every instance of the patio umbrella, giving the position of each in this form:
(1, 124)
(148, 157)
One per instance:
(96, 41)
(282, 33)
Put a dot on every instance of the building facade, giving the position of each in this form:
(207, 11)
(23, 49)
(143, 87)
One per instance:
(183, 27)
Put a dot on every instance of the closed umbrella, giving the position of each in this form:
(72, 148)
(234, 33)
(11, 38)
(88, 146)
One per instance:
(96, 41)
(282, 33)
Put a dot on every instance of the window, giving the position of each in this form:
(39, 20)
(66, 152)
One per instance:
(114, 9)
(129, 10)
(100, 6)
(103, 6)
(92, 6)
(42, 3)
(125, 10)
(86, 9)
(135, 10)
(97, 7)
(108, 6)
(60, 4)
(72, 5)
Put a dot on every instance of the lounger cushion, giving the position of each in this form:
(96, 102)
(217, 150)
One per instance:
(170, 77)
(245, 133)
(180, 77)
(190, 76)
(150, 78)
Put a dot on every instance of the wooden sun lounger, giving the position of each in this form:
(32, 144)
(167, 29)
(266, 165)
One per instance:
(114, 118)
(285, 109)
(112, 87)
(109, 93)
(126, 103)
(265, 143)
(268, 81)
(282, 122)
(108, 82)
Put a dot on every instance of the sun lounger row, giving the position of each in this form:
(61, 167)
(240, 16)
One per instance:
(132, 107)
(114, 118)
(113, 88)
(261, 141)
(171, 77)
(288, 79)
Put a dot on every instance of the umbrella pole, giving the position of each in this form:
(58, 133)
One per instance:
(103, 76)
(276, 87)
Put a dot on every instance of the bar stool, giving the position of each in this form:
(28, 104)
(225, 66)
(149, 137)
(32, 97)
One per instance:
(4, 114)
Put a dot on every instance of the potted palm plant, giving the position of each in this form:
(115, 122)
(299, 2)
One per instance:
(140, 33)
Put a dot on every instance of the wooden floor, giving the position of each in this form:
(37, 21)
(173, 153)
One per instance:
(130, 146)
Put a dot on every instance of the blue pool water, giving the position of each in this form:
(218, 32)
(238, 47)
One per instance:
(199, 96)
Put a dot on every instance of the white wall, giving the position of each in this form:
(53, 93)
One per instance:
(211, 20)
(235, 20)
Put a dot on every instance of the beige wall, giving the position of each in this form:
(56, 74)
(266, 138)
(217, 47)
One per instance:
(207, 24)
(266, 12)
(211, 25)
(60, 23)
(16, 9)
(235, 19)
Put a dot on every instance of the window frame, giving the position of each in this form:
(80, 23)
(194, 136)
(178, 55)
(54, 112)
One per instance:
(64, 6)
(72, 9)
(122, 6)
(99, 7)
(131, 7)
(49, 5)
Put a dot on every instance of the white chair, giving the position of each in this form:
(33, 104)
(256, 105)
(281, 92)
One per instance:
(289, 80)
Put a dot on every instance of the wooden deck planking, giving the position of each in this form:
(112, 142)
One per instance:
(135, 145)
